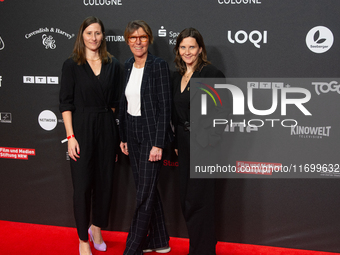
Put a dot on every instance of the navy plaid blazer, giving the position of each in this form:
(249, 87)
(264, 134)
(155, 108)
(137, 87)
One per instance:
(155, 102)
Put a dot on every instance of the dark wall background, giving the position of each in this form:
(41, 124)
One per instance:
(295, 213)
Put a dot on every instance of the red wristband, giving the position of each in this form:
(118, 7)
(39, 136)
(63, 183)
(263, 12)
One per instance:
(69, 137)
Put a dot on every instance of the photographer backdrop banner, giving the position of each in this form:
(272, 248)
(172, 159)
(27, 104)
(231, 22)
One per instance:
(264, 40)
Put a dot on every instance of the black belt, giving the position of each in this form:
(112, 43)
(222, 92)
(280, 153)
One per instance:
(93, 109)
(184, 124)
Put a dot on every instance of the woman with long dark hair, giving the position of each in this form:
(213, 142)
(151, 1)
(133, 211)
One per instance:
(89, 94)
(197, 195)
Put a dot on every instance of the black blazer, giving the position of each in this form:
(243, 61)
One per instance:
(204, 137)
(208, 71)
(155, 102)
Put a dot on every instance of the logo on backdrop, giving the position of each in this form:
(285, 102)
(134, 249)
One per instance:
(0, 80)
(47, 39)
(239, 2)
(16, 153)
(102, 2)
(325, 87)
(41, 79)
(319, 39)
(311, 132)
(163, 33)
(47, 120)
(115, 38)
(5, 117)
(255, 37)
(2, 44)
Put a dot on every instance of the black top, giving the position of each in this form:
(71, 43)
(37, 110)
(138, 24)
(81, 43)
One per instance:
(81, 88)
(181, 101)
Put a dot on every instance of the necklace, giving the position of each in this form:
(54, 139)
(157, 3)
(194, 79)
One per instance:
(92, 59)
(187, 76)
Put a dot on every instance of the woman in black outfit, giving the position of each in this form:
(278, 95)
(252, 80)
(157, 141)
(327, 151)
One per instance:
(89, 94)
(197, 195)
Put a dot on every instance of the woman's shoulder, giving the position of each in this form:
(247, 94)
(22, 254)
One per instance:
(211, 71)
(114, 61)
(69, 64)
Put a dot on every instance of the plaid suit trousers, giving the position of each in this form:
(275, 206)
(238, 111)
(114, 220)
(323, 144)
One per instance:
(148, 228)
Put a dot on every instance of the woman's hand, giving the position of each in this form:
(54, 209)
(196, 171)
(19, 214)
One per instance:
(124, 148)
(73, 148)
(176, 151)
(155, 154)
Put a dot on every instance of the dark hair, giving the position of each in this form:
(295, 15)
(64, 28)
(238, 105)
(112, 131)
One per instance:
(134, 25)
(79, 54)
(202, 58)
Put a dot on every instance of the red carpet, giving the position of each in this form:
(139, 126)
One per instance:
(32, 239)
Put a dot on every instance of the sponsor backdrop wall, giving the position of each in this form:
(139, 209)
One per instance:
(263, 41)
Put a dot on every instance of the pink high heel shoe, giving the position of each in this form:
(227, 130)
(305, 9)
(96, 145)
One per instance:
(99, 247)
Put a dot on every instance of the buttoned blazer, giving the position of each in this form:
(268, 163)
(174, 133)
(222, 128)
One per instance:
(155, 100)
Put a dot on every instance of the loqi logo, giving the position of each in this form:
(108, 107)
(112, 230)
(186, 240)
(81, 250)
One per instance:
(255, 37)
(319, 39)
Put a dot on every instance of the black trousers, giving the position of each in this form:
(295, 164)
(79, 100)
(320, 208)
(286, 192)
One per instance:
(197, 201)
(148, 228)
(92, 173)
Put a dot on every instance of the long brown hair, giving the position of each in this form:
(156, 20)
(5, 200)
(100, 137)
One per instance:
(202, 58)
(78, 54)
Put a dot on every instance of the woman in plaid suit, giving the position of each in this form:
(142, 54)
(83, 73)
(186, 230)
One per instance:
(145, 111)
